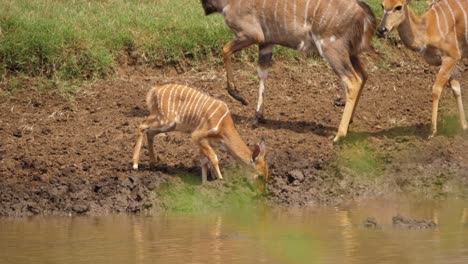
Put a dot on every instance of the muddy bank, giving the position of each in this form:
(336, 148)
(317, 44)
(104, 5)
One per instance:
(62, 156)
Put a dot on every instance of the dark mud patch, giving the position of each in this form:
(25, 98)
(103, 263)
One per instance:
(72, 195)
(403, 222)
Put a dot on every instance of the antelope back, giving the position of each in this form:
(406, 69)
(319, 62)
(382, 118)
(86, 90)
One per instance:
(296, 23)
(188, 107)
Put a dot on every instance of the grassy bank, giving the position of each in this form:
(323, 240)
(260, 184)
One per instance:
(69, 40)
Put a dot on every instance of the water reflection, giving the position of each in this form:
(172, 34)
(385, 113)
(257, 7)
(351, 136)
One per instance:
(330, 235)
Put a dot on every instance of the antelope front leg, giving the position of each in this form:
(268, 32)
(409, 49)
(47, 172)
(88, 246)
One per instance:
(363, 75)
(150, 136)
(442, 78)
(455, 85)
(354, 87)
(228, 49)
(136, 152)
(264, 63)
(211, 155)
(204, 167)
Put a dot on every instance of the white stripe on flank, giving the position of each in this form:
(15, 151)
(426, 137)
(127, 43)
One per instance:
(306, 12)
(344, 15)
(209, 107)
(325, 13)
(295, 16)
(267, 33)
(214, 112)
(437, 20)
(285, 16)
(163, 99)
(180, 99)
(169, 101)
(196, 108)
(220, 120)
(202, 109)
(159, 97)
(316, 9)
(186, 102)
(173, 101)
(445, 18)
(276, 17)
(190, 108)
(454, 27)
(466, 19)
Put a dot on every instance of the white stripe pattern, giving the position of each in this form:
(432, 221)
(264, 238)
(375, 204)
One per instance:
(316, 9)
(208, 109)
(170, 99)
(295, 15)
(466, 19)
(445, 18)
(187, 101)
(454, 27)
(285, 16)
(433, 8)
(306, 12)
(267, 33)
(344, 15)
(220, 120)
(180, 99)
(192, 118)
(214, 112)
(162, 98)
(202, 108)
(322, 18)
(276, 17)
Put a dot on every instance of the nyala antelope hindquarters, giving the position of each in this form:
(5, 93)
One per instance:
(339, 30)
(175, 107)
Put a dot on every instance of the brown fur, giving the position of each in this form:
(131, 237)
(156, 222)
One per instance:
(338, 29)
(439, 35)
(181, 108)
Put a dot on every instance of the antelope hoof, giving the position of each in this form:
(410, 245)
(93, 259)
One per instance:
(135, 166)
(236, 95)
(259, 119)
(432, 134)
(337, 138)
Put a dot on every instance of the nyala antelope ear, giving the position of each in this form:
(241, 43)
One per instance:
(258, 151)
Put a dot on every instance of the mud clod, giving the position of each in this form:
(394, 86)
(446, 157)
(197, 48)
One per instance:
(371, 223)
(410, 223)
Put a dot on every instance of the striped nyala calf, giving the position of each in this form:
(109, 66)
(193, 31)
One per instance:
(337, 29)
(181, 108)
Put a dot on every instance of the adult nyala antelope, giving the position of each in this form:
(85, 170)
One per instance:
(440, 35)
(338, 29)
(180, 108)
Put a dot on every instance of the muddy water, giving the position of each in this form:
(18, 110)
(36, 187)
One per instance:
(331, 235)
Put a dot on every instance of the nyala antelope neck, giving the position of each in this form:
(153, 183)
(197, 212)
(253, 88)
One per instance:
(440, 35)
(337, 29)
(181, 108)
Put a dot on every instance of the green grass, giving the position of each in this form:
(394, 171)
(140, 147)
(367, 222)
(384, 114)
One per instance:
(359, 159)
(81, 39)
(186, 194)
(84, 39)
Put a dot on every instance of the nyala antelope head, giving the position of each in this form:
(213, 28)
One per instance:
(394, 13)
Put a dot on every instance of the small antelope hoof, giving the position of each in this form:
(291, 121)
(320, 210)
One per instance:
(259, 120)
(135, 166)
(337, 139)
(432, 135)
(236, 95)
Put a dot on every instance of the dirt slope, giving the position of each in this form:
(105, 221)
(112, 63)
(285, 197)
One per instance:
(59, 156)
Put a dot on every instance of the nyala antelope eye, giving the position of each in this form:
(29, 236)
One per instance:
(398, 8)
